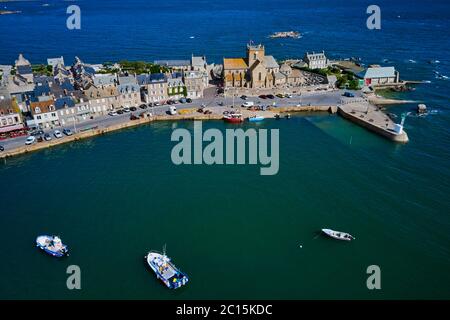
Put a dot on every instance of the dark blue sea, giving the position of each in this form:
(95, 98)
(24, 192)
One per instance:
(236, 234)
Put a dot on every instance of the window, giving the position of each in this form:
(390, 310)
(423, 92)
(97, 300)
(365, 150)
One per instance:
(260, 76)
(53, 114)
(37, 110)
(39, 117)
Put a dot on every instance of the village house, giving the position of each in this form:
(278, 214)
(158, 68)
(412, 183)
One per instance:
(55, 61)
(316, 60)
(104, 80)
(44, 114)
(255, 71)
(102, 99)
(21, 84)
(198, 63)
(176, 88)
(129, 92)
(195, 83)
(378, 76)
(71, 110)
(24, 70)
(61, 74)
(82, 73)
(154, 87)
(10, 118)
(293, 76)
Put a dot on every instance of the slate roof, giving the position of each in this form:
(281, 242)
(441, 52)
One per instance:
(64, 102)
(24, 69)
(381, 72)
(270, 62)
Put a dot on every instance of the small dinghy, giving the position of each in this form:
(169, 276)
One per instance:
(338, 235)
(256, 119)
(52, 245)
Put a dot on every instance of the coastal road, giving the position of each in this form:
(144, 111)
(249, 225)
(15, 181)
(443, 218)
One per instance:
(211, 101)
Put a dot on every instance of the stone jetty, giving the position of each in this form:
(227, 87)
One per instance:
(370, 117)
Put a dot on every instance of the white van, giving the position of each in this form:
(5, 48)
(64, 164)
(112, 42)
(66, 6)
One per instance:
(248, 104)
(173, 110)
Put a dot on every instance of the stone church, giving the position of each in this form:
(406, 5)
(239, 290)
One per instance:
(255, 71)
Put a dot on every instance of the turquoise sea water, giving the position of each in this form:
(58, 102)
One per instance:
(236, 233)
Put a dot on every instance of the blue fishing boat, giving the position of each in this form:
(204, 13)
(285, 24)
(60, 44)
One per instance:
(165, 270)
(52, 245)
(255, 119)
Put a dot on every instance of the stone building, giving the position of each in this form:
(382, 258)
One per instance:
(255, 71)
(153, 87)
(10, 118)
(102, 99)
(44, 114)
(195, 82)
(293, 76)
(316, 60)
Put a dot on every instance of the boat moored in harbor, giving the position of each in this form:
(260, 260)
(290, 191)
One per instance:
(255, 118)
(338, 235)
(52, 245)
(233, 118)
(165, 270)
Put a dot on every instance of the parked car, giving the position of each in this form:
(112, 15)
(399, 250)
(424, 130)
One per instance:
(156, 104)
(348, 94)
(173, 110)
(133, 109)
(248, 104)
(126, 109)
(67, 132)
(47, 137)
(2, 148)
(270, 96)
(36, 132)
(220, 103)
(30, 140)
(143, 106)
(281, 96)
(263, 96)
(40, 139)
(119, 112)
(57, 134)
(183, 100)
(189, 100)
(112, 113)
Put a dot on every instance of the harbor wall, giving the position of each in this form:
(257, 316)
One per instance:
(99, 131)
(403, 137)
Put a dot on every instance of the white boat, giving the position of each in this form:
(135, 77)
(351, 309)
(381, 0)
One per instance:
(52, 245)
(338, 235)
(165, 270)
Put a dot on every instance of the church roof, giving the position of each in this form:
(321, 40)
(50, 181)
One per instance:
(234, 63)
